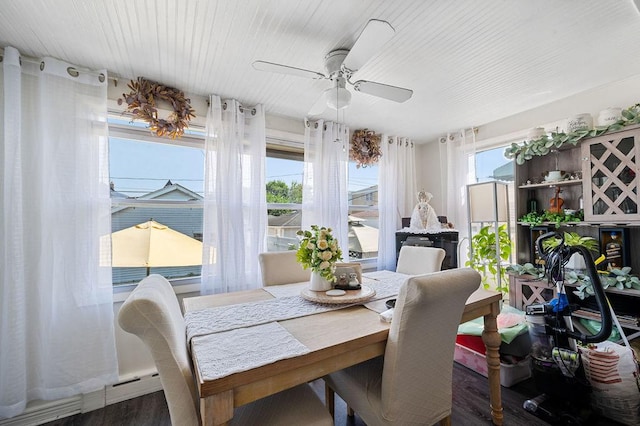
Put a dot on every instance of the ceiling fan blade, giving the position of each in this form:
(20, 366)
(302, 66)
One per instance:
(285, 69)
(375, 34)
(320, 105)
(393, 93)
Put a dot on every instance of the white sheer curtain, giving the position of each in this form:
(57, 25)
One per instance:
(397, 194)
(458, 153)
(235, 206)
(324, 196)
(56, 302)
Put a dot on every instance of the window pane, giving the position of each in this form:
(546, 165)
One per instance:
(363, 212)
(284, 186)
(493, 165)
(160, 182)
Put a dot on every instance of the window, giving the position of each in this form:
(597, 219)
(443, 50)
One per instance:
(363, 212)
(490, 165)
(154, 179)
(284, 172)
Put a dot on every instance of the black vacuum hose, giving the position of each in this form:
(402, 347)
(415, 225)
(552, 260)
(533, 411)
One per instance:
(555, 259)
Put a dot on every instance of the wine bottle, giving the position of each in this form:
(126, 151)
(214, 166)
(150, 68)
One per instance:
(532, 203)
(613, 251)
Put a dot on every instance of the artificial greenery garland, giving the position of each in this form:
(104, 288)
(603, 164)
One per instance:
(365, 148)
(141, 102)
(543, 145)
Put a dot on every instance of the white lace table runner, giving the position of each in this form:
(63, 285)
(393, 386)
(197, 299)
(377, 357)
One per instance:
(222, 354)
(235, 338)
(224, 318)
(286, 290)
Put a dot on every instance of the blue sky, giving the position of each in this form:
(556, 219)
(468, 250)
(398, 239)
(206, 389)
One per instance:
(137, 168)
(488, 161)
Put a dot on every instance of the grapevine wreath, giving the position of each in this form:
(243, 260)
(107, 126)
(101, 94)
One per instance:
(365, 147)
(141, 102)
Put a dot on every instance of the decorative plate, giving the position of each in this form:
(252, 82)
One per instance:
(351, 296)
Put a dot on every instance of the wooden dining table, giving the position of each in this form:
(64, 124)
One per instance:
(336, 339)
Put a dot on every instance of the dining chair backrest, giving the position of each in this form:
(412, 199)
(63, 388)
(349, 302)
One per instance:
(417, 260)
(281, 267)
(152, 313)
(418, 360)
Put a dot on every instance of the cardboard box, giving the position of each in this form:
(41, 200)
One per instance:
(510, 374)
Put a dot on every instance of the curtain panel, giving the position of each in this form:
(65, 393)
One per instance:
(56, 302)
(397, 194)
(235, 207)
(324, 193)
(458, 153)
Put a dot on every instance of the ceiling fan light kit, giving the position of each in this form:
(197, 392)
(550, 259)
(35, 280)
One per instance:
(338, 97)
(342, 64)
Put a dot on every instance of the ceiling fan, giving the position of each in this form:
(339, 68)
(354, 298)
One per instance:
(341, 64)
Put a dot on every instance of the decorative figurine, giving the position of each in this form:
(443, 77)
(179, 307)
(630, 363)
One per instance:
(424, 216)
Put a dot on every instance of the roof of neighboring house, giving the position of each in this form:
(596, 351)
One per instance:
(290, 219)
(362, 215)
(504, 172)
(171, 191)
(171, 188)
(367, 190)
(116, 194)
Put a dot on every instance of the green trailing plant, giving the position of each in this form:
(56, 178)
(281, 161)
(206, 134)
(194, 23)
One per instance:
(526, 269)
(543, 145)
(558, 219)
(618, 278)
(486, 260)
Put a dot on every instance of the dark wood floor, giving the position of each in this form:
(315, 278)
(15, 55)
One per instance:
(470, 406)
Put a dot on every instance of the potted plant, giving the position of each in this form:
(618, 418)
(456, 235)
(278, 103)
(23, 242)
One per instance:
(487, 256)
(319, 251)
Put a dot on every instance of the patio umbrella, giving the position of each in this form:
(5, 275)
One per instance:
(152, 244)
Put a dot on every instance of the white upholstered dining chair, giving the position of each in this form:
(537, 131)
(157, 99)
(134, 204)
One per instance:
(281, 267)
(412, 383)
(415, 260)
(152, 313)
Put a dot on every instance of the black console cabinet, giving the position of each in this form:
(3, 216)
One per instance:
(445, 240)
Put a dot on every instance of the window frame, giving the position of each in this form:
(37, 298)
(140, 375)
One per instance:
(133, 131)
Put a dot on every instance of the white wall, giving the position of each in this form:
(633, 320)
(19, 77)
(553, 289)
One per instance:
(430, 168)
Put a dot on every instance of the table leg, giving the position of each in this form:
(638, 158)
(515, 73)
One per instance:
(217, 409)
(491, 339)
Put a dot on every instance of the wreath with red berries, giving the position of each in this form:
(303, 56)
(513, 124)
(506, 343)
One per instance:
(142, 103)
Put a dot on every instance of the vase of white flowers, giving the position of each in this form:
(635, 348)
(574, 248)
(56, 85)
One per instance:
(319, 251)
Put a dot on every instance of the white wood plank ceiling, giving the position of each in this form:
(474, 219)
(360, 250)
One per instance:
(469, 62)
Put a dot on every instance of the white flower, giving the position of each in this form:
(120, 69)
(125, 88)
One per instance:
(311, 246)
(323, 245)
(324, 265)
(326, 255)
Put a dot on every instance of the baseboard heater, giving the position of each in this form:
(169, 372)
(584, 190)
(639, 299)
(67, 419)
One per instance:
(39, 412)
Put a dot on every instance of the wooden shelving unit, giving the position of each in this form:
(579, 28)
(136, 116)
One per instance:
(609, 185)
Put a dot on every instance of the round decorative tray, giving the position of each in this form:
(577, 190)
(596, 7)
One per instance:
(351, 296)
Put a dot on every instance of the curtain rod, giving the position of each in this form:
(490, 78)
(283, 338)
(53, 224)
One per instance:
(72, 70)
